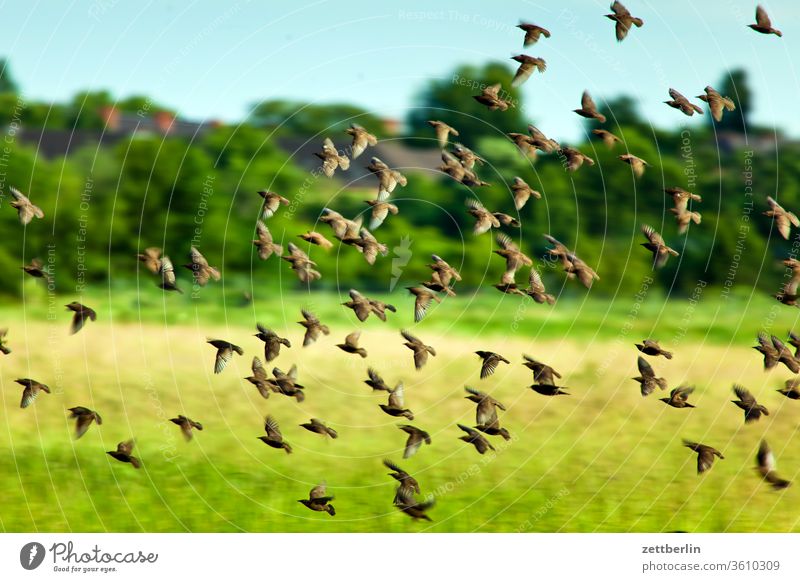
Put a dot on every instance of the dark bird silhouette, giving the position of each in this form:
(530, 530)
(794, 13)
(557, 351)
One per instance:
(301, 264)
(26, 210)
(476, 439)
(522, 192)
(317, 239)
(272, 202)
(574, 158)
(350, 345)
(765, 465)
(260, 378)
(647, 378)
(272, 342)
(705, 455)
(37, 270)
(225, 351)
(422, 301)
(679, 396)
(421, 351)
(375, 381)
(80, 314)
(763, 23)
(652, 348)
(286, 383)
(443, 132)
(747, 402)
(415, 439)
(623, 19)
(490, 362)
(31, 390)
(588, 108)
(406, 480)
(167, 271)
(549, 389)
(201, 270)
(532, 33)
(331, 158)
(151, 258)
(656, 245)
(264, 243)
(542, 373)
(527, 65)
(361, 139)
(4, 342)
(396, 405)
(274, 438)
(682, 104)
(791, 389)
(794, 341)
(315, 425)
(319, 500)
(716, 103)
(187, 425)
(314, 328)
(609, 139)
(84, 417)
(788, 293)
(124, 454)
(783, 219)
(404, 500)
(490, 97)
(785, 355)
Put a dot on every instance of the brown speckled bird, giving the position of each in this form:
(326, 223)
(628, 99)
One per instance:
(788, 294)
(536, 289)
(363, 306)
(272, 202)
(404, 478)
(684, 218)
(656, 245)
(151, 258)
(705, 455)
(301, 264)
(167, 271)
(637, 164)
(317, 426)
(422, 301)
(785, 355)
(350, 345)
(201, 270)
(484, 220)
(421, 351)
(486, 411)
(574, 159)
(682, 104)
(286, 383)
(466, 156)
(260, 378)
(84, 417)
(609, 139)
(794, 341)
(763, 23)
(381, 208)
(765, 465)
(476, 439)
(490, 362)
(272, 342)
(522, 192)
(443, 132)
(652, 348)
(31, 389)
(388, 179)
(264, 243)
(80, 314)
(405, 502)
(491, 98)
(225, 351)
(396, 405)
(416, 437)
(124, 454)
(514, 257)
(319, 500)
(368, 245)
(647, 378)
(342, 227)
(791, 388)
(317, 239)
(784, 220)
(527, 65)
(331, 158)
(314, 328)
(588, 108)
(679, 396)
(542, 373)
(716, 102)
(623, 20)
(274, 438)
(187, 426)
(532, 33)
(26, 210)
(747, 402)
(361, 139)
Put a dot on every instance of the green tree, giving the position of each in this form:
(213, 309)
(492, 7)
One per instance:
(298, 117)
(7, 83)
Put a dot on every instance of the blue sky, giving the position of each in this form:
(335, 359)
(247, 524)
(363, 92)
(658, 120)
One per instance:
(213, 59)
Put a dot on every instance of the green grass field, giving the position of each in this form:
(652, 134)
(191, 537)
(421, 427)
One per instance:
(603, 459)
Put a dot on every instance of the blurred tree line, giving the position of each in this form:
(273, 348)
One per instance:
(110, 202)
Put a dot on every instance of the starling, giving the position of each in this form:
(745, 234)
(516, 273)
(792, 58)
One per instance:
(589, 109)
(123, 453)
(167, 272)
(264, 243)
(80, 313)
(415, 439)
(486, 412)
(201, 270)
(705, 455)
(524, 143)
(506, 219)
(785, 355)
(301, 264)
(490, 97)
(784, 220)
(684, 218)
(274, 438)
(678, 397)
(342, 227)
(331, 158)
(494, 429)
(422, 301)
(716, 103)
(272, 202)
(475, 438)
(682, 104)
(259, 379)
(388, 179)
(396, 404)
(316, 238)
(225, 352)
(406, 480)
(609, 139)
(788, 293)
(747, 402)
(4, 342)
(542, 373)
(380, 210)
(536, 289)
(420, 350)
(549, 389)
(368, 245)
(375, 381)
(186, 424)
(763, 24)
(26, 209)
(84, 417)
(560, 252)
(765, 465)
(484, 220)
(522, 192)
(436, 284)
(681, 197)
(540, 141)
(286, 383)
(31, 390)
(151, 257)
(404, 500)
(319, 500)
(532, 33)
(490, 362)
(361, 139)
(443, 132)
(527, 65)
(652, 348)
(363, 306)
(574, 158)
(452, 167)
(657, 246)
(637, 164)
(272, 342)
(37, 269)
(314, 328)
(791, 389)
(573, 266)
(647, 378)
(350, 345)
(317, 426)
(466, 156)
(515, 258)
(794, 341)
(445, 273)
(623, 19)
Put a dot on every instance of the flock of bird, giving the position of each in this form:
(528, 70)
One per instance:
(460, 164)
